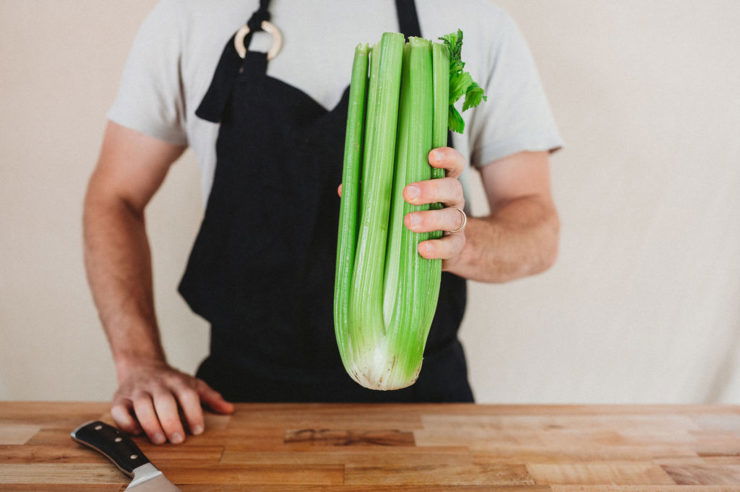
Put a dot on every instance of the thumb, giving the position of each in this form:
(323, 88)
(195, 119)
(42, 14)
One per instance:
(213, 398)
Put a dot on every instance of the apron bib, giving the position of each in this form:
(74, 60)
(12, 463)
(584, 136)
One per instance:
(261, 270)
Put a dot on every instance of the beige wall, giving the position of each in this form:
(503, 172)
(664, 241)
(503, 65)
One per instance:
(644, 304)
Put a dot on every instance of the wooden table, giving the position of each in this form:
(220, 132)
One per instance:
(297, 447)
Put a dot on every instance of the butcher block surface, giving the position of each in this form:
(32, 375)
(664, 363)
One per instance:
(429, 447)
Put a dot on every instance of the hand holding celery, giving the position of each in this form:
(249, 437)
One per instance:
(400, 107)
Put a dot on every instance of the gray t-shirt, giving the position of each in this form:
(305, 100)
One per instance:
(179, 44)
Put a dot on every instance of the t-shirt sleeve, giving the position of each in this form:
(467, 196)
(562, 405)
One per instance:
(517, 116)
(150, 97)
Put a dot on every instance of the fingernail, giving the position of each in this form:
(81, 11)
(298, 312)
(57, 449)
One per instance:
(197, 429)
(435, 155)
(412, 191)
(414, 220)
(158, 438)
(176, 438)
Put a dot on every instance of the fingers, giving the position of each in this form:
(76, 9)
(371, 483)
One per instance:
(190, 404)
(445, 190)
(168, 415)
(445, 248)
(162, 401)
(448, 159)
(339, 190)
(147, 417)
(213, 398)
(447, 219)
(121, 413)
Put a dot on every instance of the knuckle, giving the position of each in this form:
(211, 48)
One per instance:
(157, 386)
(182, 383)
(125, 425)
(456, 188)
(155, 391)
(452, 219)
(419, 220)
(119, 404)
(186, 390)
(177, 384)
(139, 397)
(201, 385)
(447, 249)
(124, 391)
(459, 161)
(196, 416)
(430, 219)
(429, 191)
(170, 422)
(187, 396)
(180, 378)
(170, 378)
(192, 411)
(149, 424)
(120, 416)
(449, 186)
(119, 398)
(426, 188)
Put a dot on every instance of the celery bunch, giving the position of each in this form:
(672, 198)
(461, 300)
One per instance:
(401, 105)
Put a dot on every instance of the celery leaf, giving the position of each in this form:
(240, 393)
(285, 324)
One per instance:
(474, 96)
(461, 82)
(456, 122)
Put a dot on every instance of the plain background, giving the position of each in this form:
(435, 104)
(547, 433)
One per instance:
(642, 306)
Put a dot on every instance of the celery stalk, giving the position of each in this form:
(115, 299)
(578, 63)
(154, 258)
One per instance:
(348, 213)
(407, 328)
(367, 339)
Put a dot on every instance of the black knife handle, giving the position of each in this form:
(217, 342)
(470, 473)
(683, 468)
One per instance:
(111, 443)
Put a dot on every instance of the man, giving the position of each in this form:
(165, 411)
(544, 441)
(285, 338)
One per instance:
(261, 269)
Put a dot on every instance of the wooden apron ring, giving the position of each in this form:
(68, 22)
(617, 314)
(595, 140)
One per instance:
(268, 27)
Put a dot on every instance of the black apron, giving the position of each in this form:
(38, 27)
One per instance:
(262, 267)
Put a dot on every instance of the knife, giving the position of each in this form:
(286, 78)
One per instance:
(125, 454)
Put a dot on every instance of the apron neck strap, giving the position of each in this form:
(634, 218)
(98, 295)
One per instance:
(408, 20)
(254, 23)
(261, 14)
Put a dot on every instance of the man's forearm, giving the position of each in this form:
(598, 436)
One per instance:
(118, 263)
(519, 238)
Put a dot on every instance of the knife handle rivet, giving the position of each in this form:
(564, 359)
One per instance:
(98, 427)
(134, 456)
(118, 439)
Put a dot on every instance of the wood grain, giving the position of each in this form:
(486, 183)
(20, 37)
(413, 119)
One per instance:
(17, 433)
(362, 448)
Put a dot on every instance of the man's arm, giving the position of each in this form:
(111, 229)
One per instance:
(131, 168)
(518, 238)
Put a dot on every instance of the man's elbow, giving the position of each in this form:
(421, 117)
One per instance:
(104, 197)
(550, 245)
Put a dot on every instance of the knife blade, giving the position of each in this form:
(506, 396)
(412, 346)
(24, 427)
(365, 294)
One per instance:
(125, 454)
